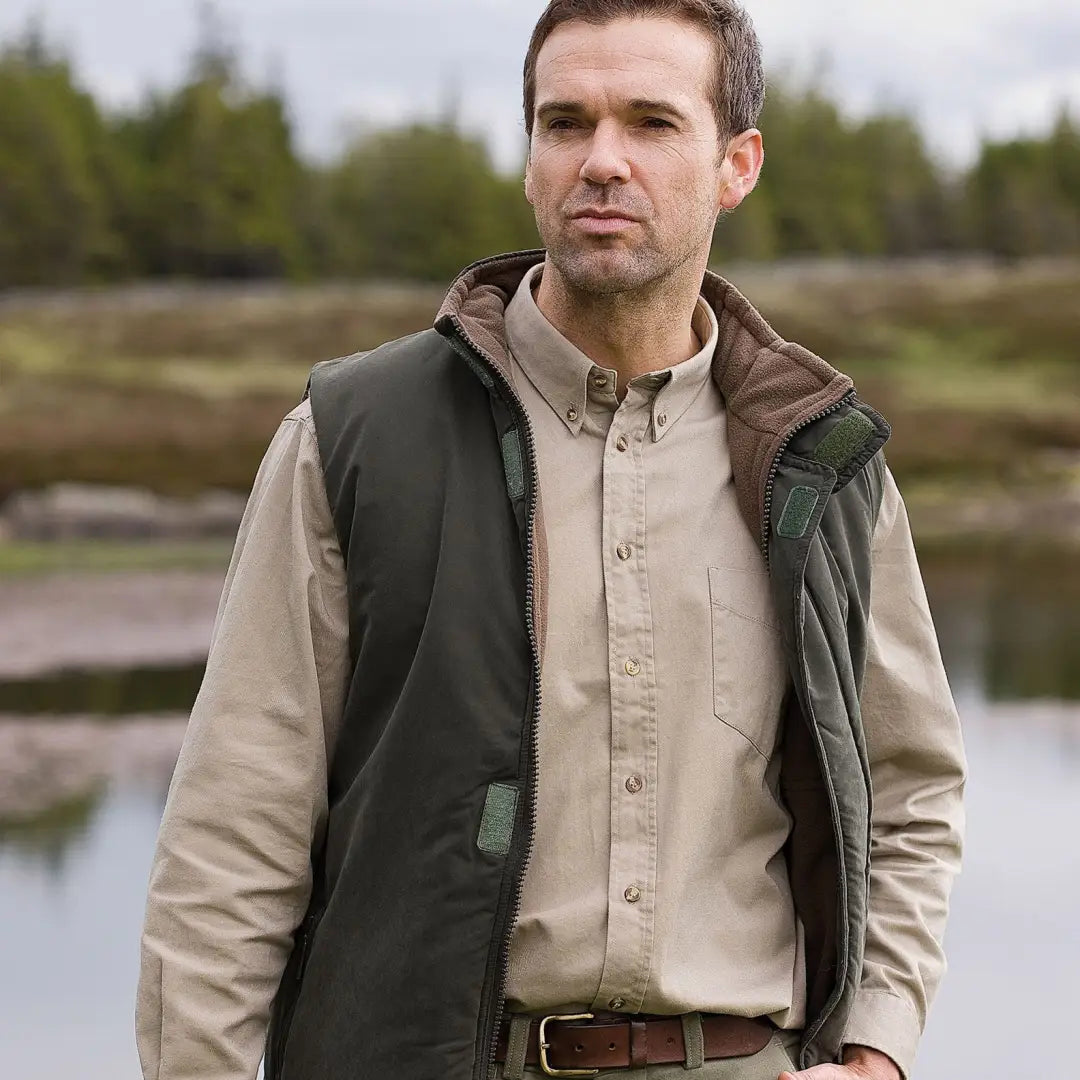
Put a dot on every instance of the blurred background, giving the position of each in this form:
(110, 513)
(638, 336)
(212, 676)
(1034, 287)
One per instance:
(199, 202)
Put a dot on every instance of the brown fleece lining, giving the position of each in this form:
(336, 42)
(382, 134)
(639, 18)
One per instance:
(769, 385)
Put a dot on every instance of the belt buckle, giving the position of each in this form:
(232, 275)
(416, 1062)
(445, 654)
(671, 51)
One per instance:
(545, 1046)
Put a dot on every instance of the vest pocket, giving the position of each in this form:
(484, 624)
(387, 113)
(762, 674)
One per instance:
(288, 993)
(749, 671)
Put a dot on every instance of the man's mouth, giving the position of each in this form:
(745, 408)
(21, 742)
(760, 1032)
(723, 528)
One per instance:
(603, 222)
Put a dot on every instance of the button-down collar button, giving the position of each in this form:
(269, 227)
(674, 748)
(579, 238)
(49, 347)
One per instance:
(622, 443)
(632, 667)
(616, 1003)
(662, 419)
(599, 380)
(632, 894)
(571, 414)
(634, 784)
(624, 552)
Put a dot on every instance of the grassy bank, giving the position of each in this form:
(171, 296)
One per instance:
(20, 559)
(977, 368)
(173, 388)
(177, 389)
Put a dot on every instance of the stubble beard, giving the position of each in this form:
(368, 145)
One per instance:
(592, 270)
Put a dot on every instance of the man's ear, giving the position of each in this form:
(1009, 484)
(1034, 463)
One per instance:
(741, 168)
(528, 177)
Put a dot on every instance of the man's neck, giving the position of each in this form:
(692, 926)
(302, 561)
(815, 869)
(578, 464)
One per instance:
(629, 332)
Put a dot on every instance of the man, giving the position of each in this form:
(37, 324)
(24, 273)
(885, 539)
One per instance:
(560, 652)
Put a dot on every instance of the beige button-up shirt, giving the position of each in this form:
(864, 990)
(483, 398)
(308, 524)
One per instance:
(656, 882)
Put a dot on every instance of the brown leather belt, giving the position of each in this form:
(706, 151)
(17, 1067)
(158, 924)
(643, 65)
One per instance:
(597, 1041)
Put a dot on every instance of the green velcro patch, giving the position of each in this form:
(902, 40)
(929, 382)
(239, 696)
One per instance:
(497, 822)
(844, 441)
(512, 464)
(798, 510)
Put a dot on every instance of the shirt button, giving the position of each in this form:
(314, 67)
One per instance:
(571, 413)
(622, 443)
(616, 1003)
(634, 784)
(632, 894)
(632, 667)
(599, 380)
(662, 419)
(624, 552)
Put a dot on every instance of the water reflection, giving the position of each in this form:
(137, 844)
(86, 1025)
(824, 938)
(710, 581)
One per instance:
(1012, 944)
(1009, 623)
(86, 757)
(104, 692)
(55, 774)
(50, 833)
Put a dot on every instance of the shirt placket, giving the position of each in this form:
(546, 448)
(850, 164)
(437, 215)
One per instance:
(633, 858)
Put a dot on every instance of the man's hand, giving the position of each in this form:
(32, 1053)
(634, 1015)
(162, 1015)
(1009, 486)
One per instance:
(860, 1063)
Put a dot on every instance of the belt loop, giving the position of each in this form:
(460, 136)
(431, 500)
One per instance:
(517, 1046)
(639, 1044)
(693, 1040)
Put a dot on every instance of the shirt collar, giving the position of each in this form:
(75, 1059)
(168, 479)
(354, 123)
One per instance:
(563, 374)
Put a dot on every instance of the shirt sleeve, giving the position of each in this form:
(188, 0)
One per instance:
(231, 875)
(917, 769)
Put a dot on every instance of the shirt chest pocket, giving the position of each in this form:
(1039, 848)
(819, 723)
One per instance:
(749, 672)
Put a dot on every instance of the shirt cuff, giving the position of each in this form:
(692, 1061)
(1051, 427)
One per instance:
(886, 1023)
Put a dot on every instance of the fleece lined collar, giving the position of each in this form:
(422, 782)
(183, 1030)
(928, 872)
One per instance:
(770, 386)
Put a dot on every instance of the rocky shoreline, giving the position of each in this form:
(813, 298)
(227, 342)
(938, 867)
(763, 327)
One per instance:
(1029, 518)
(73, 512)
(68, 760)
(86, 511)
(70, 621)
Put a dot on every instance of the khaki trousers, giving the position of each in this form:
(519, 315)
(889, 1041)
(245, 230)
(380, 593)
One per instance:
(779, 1055)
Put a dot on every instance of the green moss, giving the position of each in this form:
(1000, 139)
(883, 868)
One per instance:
(101, 556)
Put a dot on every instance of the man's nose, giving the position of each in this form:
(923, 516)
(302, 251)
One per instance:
(606, 159)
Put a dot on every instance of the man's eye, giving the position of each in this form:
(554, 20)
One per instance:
(562, 124)
(657, 122)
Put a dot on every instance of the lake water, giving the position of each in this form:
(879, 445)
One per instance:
(85, 759)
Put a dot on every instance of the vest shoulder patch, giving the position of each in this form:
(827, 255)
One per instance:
(844, 441)
(798, 510)
(497, 821)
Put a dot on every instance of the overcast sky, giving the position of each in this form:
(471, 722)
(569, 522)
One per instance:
(964, 67)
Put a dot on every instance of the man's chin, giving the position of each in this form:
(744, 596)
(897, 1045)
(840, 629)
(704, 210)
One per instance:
(601, 270)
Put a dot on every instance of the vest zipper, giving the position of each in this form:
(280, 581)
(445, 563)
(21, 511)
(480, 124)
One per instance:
(813, 1028)
(493, 1008)
(770, 479)
(473, 354)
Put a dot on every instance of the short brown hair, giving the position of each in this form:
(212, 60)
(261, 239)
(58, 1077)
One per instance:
(739, 88)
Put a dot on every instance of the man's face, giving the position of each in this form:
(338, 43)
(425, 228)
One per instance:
(624, 125)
